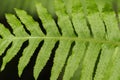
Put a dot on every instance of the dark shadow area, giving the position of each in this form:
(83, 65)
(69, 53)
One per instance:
(56, 21)
(96, 64)
(41, 26)
(11, 71)
(28, 70)
(4, 22)
(63, 69)
(26, 30)
(0, 36)
(46, 72)
(4, 53)
(89, 27)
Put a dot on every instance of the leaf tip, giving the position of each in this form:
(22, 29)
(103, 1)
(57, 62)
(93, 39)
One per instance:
(2, 67)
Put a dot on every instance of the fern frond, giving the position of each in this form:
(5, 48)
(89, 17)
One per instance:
(92, 29)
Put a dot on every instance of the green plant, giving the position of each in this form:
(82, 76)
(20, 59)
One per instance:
(7, 6)
(88, 36)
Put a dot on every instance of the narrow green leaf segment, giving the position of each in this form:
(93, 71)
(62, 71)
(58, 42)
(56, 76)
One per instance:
(90, 24)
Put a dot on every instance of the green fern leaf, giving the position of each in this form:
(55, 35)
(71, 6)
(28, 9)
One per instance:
(91, 27)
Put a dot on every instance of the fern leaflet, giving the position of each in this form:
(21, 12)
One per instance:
(87, 24)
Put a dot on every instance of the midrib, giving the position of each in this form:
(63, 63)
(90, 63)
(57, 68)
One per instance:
(93, 40)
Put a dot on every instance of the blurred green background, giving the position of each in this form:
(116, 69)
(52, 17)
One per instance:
(7, 6)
